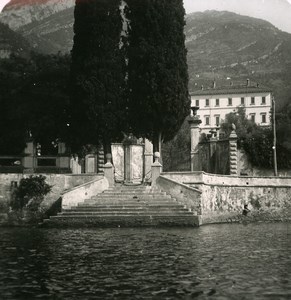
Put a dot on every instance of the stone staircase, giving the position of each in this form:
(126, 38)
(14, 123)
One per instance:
(126, 206)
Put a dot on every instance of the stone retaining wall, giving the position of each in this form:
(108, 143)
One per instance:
(223, 197)
(60, 183)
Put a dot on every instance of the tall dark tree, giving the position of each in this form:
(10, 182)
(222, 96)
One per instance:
(158, 77)
(33, 99)
(98, 73)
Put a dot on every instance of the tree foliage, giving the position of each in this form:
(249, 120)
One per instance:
(158, 77)
(257, 141)
(98, 73)
(34, 100)
(30, 192)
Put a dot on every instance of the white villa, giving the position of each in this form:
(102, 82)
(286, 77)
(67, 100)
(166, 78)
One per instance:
(216, 102)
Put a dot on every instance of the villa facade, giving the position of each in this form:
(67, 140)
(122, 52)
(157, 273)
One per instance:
(216, 102)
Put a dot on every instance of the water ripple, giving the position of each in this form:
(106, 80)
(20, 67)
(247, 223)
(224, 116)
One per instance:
(211, 262)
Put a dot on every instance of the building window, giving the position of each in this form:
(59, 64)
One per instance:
(252, 100)
(229, 101)
(207, 102)
(216, 102)
(263, 100)
(207, 120)
(253, 117)
(217, 120)
(264, 118)
(197, 103)
(242, 101)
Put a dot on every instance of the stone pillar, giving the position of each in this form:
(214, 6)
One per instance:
(28, 159)
(90, 163)
(63, 162)
(148, 159)
(108, 171)
(74, 165)
(194, 123)
(233, 153)
(156, 169)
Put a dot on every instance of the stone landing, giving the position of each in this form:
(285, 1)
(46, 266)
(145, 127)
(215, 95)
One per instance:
(126, 206)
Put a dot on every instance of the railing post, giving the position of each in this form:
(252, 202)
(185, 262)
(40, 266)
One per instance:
(108, 170)
(156, 169)
(148, 159)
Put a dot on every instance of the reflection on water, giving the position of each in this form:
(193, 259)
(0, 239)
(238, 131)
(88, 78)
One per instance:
(210, 262)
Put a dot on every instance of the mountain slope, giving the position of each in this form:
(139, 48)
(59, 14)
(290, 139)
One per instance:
(277, 12)
(220, 45)
(18, 13)
(12, 42)
(225, 45)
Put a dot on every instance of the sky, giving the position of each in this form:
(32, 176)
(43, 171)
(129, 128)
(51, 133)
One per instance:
(190, 5)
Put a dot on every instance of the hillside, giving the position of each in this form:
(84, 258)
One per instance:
(226, 46)
(277, 12)
(12, 42)
(18, 13)
(220, 45)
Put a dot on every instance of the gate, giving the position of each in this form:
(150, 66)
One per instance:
(128, 162)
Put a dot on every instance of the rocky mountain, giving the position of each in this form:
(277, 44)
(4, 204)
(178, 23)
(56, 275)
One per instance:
(277, 12)
(46, 24)
(18, 13)
(12, 42)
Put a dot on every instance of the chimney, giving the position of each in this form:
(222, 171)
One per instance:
(214, 84)
(248, 82)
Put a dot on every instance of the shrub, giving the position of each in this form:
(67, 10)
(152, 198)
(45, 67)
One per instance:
(30, 193)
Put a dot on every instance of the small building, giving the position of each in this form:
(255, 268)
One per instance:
(216, 102)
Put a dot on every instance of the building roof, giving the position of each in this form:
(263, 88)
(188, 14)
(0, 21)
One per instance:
(226, 90)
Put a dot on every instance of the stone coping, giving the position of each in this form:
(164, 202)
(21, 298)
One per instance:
(222, 176)
(228, 180)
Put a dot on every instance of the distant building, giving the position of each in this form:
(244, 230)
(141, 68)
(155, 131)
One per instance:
(216, 102)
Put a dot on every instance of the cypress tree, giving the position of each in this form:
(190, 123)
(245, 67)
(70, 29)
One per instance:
(98, 73)
(158, 77)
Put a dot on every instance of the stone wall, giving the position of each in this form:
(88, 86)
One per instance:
(223, 197)
(60, 183)
(189, 196)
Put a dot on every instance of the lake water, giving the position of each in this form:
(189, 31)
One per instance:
(211, 262)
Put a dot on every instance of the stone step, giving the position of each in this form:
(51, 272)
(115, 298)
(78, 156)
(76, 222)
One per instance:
(123, 221)
(127, 206)
(124, 212)
(133, 196)
(141, 192)
(126, 202)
